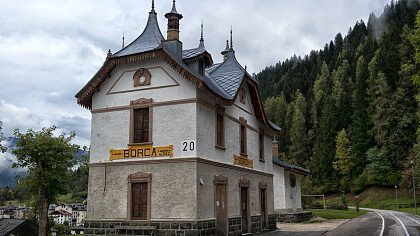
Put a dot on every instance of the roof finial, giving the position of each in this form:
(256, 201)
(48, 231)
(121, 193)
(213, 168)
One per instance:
(202, 38)
(153, 5)
(227, 44)
(109, 54)
(123, 41)
(231, 38)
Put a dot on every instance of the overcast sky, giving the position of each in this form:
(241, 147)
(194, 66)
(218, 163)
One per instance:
(49, 49)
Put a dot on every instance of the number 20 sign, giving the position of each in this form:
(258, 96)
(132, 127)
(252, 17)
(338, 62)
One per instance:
(188, 148)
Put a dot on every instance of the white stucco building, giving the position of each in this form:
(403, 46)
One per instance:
(179, 144)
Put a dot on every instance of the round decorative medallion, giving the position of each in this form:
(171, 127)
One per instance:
(142, 77)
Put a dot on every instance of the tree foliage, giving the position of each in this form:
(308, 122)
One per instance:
(365, 83)
(48, 159)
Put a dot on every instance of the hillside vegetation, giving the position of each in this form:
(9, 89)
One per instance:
(349, 111)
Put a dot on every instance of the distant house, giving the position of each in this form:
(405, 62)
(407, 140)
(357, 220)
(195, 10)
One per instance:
(16, 227)
(13, 212)
(61, 216)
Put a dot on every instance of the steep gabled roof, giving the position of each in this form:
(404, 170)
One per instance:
(228, 75)
(150, 39)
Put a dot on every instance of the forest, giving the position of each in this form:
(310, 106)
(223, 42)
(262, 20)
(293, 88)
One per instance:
(349, 112)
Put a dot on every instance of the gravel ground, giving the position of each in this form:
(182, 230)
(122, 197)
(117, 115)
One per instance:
(323, 226)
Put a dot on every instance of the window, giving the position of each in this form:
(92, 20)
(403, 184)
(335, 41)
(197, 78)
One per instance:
(292, 178)
(261, 146)
(139, 198)
(220, 127)
(242, 136)
(141, 121)
(141, 125)
(201, 67)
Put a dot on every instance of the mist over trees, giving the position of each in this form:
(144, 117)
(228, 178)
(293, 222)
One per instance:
(349, 111)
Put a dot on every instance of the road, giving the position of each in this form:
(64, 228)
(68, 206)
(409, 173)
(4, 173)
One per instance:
(375, 222)
(381, 223)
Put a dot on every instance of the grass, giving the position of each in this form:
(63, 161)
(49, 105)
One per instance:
(337, 214)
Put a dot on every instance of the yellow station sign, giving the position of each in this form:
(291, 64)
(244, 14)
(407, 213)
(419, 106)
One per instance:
(243, 161)
(143, 151)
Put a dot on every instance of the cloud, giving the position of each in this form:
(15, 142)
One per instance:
(50, 49)
(22, 118)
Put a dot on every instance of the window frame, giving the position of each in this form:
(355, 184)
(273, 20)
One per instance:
(141, 103)
(243, 126)
(220, 112)
(139, 177)
(261, 144)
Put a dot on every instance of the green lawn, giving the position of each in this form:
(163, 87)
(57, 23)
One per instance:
(336, 214)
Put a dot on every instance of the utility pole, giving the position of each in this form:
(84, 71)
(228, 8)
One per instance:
(396, 196)
(414, 186)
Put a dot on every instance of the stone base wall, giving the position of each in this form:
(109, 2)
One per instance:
(272, 222)
(296, 217)
(235, 226)
(159, 228)
(173, 228)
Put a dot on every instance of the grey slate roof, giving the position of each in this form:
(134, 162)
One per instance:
(150, 39)
(7, 225)
(290, 167)
(190, 53)
(227, 76)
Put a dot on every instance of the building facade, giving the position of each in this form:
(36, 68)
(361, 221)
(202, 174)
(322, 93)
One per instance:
(179, 144)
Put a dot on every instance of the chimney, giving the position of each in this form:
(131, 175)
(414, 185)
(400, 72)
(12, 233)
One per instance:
(172, 40)
(275, 148)
(173, 24)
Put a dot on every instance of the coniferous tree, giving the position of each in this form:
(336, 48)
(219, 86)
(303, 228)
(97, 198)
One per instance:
(298, 141)
(359, 127)
(343, 162)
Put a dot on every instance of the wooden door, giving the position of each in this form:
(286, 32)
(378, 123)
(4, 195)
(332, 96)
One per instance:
(244, 209)
(221, 210)
(263, 207)
(139, 201)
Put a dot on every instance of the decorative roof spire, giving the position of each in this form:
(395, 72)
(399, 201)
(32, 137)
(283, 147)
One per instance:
(109, 54)
(153, 7)
(174, 8)
(201, 45)
(202, 38)
(227, 45)
(231, 38)
(123, 41)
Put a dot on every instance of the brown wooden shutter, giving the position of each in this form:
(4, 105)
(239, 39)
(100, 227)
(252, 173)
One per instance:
(261, 142)
(219, 134)
(139, 201)
(243, 138)
(141, 125)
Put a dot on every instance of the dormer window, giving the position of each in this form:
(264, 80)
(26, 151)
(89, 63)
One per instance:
(201, 67)
(242, 95)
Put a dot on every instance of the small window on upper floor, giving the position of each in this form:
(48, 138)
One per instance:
(261, 146)
(242, 137)
(220, 127)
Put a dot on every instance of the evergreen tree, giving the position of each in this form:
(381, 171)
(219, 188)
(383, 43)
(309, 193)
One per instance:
(359, 127)
(299, 144)
(2, 149)
(343, 162)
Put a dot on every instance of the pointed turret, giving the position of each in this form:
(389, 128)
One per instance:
(150, 39)
(225, 52)
(173, 23)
